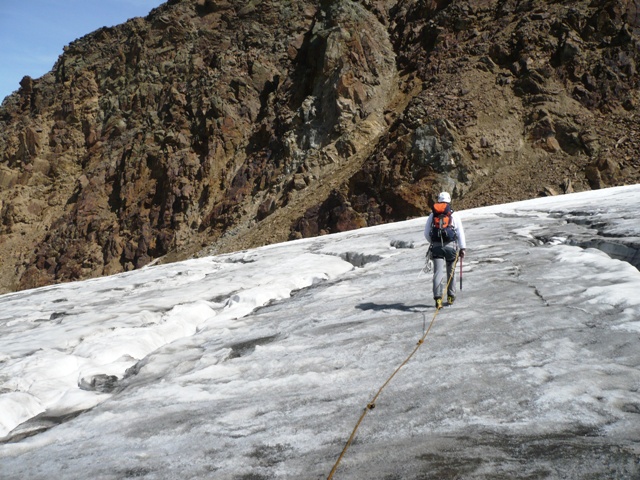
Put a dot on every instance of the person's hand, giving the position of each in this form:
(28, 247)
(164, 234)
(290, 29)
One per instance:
(461, 254)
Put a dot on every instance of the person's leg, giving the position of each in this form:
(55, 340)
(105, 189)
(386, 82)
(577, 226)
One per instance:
(451, 278)
(451, 254)
(438, 277)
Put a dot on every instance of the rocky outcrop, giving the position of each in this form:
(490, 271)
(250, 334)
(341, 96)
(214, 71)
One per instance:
(509, 100)
(216, 126)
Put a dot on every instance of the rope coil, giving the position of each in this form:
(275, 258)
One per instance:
(372, 404)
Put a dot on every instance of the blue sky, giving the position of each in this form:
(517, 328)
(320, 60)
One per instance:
(33, 32)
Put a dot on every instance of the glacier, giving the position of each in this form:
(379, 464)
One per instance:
(257, 364)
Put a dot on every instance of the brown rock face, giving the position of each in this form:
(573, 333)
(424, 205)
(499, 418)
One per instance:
(212, 126)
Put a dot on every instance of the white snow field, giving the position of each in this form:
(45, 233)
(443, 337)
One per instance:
(257, 365)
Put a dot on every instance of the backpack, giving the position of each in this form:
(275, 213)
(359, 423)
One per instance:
(442, 229)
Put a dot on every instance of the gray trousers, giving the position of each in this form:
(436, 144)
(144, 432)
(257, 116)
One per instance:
(444, 255)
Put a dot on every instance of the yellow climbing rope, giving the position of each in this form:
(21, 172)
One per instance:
(372, 404)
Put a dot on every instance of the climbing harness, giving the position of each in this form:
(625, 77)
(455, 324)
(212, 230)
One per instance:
(372, 404)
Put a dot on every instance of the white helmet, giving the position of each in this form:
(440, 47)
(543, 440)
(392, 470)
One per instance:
(444, 197)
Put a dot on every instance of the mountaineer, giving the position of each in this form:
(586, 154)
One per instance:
(447, 243)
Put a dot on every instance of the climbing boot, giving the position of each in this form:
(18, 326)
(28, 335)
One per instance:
(450, 299)
(438, 303)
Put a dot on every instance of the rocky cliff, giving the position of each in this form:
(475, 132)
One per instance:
(217, 125)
